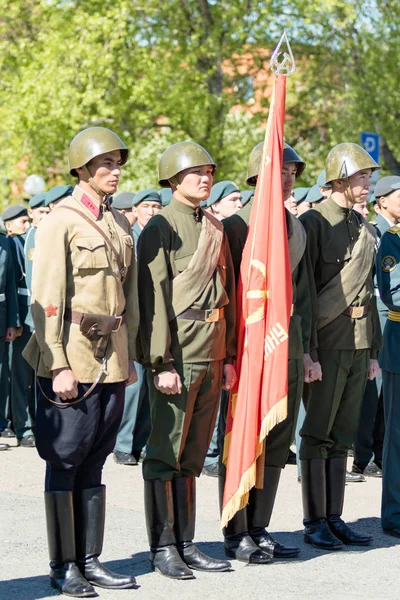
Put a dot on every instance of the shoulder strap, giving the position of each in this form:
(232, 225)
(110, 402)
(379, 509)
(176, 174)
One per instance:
(100, 231)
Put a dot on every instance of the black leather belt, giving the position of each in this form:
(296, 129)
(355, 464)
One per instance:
(208, 316)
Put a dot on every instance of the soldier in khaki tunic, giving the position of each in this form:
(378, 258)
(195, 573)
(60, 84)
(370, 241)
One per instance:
(187, 333)
(246, 535)
(85, 311)
(341, 246)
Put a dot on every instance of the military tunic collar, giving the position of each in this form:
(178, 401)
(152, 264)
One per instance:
(339, 210)
(93, 205)
(184, 208)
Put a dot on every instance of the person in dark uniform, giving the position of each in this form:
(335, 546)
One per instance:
(85, 311)
(135, 424)
(9, 324)
(123, 203)
(21, 374)
(388, 277)
(341, 246)
(187, 337)
(368, 446)
(246, 536)
(56, 194)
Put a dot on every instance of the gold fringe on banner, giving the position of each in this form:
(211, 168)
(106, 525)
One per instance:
(249, 479)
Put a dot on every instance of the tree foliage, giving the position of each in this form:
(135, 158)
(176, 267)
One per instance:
(160, 72)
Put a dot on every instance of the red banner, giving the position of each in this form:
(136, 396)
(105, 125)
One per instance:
(259, 401)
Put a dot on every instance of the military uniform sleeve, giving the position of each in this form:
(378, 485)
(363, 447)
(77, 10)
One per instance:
(303, 301)
(311, 257)
(230, 310)
(236, 232)
(154, 296)
(49, 291)
(13, 319)
(388, 270)
(132, 307)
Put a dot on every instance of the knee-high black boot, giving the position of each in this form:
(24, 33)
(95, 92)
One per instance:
(237, 541)
(159, 510)
(313, 485)
(335, 482)
(259, 511)
(90, 513)
(184, 494)
(65, 575)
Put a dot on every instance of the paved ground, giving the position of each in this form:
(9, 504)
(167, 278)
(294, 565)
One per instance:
(367, 573)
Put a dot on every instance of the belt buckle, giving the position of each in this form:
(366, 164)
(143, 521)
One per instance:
(212, 315)
(119, 319)
(357, 312)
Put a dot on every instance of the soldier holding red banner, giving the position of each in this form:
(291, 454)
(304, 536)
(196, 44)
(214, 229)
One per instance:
(246, 537)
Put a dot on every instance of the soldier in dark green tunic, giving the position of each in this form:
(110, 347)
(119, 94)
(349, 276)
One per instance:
(246, 536)
(9, 323)
(341, 246)
(187, 334)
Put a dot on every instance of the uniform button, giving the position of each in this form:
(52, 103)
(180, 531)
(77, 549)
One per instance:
(338, 260)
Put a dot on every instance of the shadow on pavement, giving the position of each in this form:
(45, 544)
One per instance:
(34, 588)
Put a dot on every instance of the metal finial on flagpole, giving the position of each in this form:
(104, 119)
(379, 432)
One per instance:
(282, 60)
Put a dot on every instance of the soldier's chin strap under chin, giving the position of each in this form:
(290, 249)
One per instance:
(105, 197)
(181, 190)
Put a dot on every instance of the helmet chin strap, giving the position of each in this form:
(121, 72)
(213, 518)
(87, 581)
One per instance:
(349, 189)
(105, 197)
(181, 190)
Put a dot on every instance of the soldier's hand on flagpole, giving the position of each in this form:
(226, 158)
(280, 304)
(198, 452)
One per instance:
(132, 375)
(168, 382)
(229, 378)
(374, 369)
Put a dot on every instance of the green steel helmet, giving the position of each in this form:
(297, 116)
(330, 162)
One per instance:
(346, 159)
(289, 155)
(181, 156)
(92, 142)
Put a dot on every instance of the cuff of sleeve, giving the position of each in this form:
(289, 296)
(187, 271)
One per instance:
(54, 358)
(306, 348)
(314, 355)
(229, 360)
(162, 368)
(374, 354)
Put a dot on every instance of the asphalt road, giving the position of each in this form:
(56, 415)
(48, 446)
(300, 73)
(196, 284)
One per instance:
(367, 573)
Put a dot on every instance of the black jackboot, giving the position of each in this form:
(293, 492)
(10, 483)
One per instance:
(184, 494)
(259, 511)
(65, 575)
(313, 485)
(335, 482)
(237, 541)
(90, 513)
(159, 510)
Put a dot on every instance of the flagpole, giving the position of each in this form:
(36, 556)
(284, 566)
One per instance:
(259, 400)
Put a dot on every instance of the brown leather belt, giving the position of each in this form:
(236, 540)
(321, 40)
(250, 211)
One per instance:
(74, 316)
(357, 312)
(211, 315)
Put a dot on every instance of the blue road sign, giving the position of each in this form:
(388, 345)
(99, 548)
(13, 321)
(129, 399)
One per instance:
(370, 142)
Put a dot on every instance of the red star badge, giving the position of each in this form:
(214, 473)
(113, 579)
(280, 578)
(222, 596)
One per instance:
(51, 310)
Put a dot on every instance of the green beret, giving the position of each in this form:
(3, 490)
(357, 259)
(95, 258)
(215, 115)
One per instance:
(314, 195)
(300, 194)
(58, 192)
(166, 196)
(321, 181)
(13, 212)
(37, 200)
(221, 190)
(246, 195)
(124, 200)
(149, 195)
